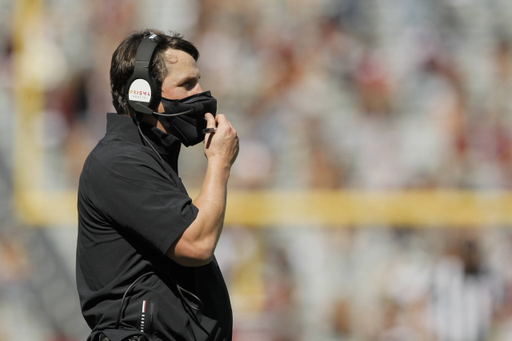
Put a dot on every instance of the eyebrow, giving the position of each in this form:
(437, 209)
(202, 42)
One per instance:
(188, 79)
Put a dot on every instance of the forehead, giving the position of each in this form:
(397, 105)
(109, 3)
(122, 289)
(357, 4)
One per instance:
(179, 63)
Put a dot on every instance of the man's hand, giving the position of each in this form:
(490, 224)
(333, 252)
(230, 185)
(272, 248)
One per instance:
(222, 146)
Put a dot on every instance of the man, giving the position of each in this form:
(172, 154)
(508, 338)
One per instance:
(145, 254)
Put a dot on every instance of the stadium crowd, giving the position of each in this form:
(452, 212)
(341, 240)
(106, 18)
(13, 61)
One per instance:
(332, 94)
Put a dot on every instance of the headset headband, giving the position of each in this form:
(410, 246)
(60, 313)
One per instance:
(141, 87)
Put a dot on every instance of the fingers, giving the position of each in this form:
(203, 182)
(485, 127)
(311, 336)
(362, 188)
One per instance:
(211, 126)
(223, 143)
(219, 122)
(225, 125)
(221, 119)
(210, 120)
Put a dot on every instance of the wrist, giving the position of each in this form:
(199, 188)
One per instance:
(219, 168)
(218, 163)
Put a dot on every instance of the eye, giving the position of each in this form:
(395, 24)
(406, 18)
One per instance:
(190, 83)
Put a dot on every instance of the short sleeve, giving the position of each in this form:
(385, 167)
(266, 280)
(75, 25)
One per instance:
(134, 193)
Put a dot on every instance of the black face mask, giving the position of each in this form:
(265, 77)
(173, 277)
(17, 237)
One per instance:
(184, 118)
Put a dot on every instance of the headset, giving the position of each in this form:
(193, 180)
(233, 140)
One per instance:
(141, 89)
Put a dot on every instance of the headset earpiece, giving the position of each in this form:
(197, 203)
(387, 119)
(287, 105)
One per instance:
(141, 89)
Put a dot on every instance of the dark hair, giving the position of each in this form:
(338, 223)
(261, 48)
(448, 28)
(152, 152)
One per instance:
(123, 63)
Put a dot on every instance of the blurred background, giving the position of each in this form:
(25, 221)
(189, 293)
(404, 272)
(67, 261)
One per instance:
(370, 200)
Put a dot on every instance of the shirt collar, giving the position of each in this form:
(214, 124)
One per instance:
(167, 145)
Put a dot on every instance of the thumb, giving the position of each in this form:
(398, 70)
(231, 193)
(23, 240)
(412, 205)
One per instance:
(210, 120)
(210, 123)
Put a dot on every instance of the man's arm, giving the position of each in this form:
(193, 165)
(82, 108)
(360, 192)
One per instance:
(197, 244)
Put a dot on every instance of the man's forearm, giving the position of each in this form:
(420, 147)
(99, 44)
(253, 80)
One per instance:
(211, 202)
(197, 244)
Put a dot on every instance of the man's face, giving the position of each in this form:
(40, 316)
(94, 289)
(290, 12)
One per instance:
(183, 78)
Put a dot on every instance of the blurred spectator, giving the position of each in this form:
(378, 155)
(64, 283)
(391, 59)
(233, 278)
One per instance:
(465, 295)
(333, 94)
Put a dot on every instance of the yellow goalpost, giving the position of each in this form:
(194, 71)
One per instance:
(36, 206)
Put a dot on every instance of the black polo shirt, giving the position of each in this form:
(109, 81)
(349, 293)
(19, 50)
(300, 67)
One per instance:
(132, 207)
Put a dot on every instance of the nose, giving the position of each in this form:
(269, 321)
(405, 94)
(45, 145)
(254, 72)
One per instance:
(197, 89)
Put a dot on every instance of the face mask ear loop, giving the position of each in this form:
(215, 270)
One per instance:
(147, 141)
